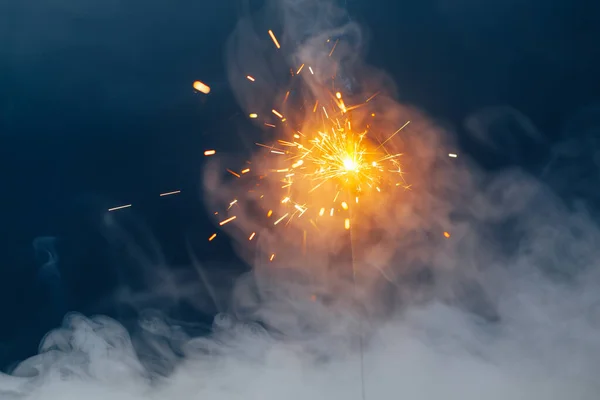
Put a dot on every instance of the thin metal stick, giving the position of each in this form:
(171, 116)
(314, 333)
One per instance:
(360, 328)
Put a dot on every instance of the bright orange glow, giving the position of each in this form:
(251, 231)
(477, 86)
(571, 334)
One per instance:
(210, 152)
(321, 162)
(335, 158)
(447, 235)
(349, 164)
(214, 235)
(201, 87)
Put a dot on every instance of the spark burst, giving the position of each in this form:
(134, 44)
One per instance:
(325, 167)
(333, 159)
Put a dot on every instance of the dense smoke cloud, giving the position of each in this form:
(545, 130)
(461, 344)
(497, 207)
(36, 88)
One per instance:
(505, 308)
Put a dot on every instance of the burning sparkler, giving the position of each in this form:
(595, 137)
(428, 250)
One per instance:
(327, 164)
(334, 159)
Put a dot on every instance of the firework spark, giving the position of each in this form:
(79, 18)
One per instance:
(170, 193)
(274, 39)
(119, 207)
(201, 87)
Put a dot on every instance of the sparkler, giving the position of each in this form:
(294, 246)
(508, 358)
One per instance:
(328, 166)
(324, 167)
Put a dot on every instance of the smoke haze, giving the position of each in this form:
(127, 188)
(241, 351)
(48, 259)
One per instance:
(507, 307)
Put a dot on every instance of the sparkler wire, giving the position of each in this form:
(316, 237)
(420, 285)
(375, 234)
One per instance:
(360, 326)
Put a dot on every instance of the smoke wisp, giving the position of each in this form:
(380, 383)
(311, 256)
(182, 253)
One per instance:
(507, 307)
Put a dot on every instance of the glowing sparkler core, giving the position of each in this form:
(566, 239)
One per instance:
(329, 166)
(347, 158)
(350, 164)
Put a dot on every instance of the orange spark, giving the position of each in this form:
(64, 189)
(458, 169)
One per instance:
(277, 113)
(372, 97)
(280, 219)
(233, 173)
(253, 115)
(250, 78)
(347, 223)
(274, 39)
(227, 220)
(210, 152)
(201, 87)
(214, 235)
(447, 235)
(335, 44)
(252, 236)
(299, 69)
(244, 171)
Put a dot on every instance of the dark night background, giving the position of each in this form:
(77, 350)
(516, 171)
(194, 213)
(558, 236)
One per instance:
(97, 110)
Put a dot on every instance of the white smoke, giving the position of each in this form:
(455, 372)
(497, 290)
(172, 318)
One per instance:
(508, 307)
